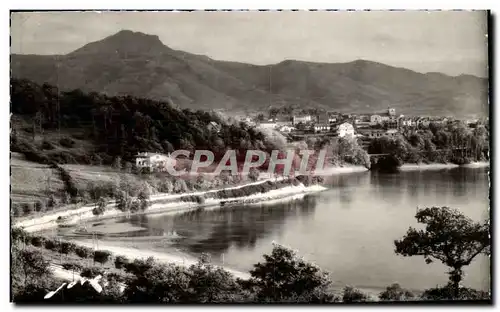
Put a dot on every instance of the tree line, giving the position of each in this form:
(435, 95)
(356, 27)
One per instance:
(122, 125)
(454, 142)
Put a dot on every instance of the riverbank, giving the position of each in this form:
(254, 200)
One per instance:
(340, 170)
(174, 204)
(410, 167)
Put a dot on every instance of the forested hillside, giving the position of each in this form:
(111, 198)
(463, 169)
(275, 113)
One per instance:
(116, 126)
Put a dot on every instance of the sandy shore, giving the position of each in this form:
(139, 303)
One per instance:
(409, 167)
(477, 164)
(133, 253)
(340, 170)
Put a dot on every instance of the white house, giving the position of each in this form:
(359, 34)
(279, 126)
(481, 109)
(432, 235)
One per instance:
(268, 125)
(287, 129)
(321, 127)
(375, 119)
(345, 129)
(153, 161)
(302, 119)
(406, 122)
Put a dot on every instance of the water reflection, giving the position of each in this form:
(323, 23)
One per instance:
(215, 231)
(347, 230)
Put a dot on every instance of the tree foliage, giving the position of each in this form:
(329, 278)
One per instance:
(122, 126)
(28, 267)
(351, 294)
(454, 142)
(449, 237)
(284, 274)
(394, 292)
(121, 262)
(102, 256)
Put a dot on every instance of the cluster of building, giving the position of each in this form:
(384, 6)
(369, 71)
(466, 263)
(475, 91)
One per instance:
(367, 125)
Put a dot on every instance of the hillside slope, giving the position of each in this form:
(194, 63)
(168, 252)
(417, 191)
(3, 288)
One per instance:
(131, 63)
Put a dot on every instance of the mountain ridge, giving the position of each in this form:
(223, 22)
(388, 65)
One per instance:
(138, 64)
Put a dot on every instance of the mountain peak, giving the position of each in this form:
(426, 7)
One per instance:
(124, 42)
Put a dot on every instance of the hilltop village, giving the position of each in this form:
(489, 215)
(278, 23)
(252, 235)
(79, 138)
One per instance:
(299, 123)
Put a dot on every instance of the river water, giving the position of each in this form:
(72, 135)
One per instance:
(348, 230)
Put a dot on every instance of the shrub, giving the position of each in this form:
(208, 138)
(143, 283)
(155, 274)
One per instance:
(121, 262)
(69, 184)
(117, 277)
(92, 272)
(83, 252)
(28, 208)
(102, 256)
(448, 293)
(135, 206)
(139, 266)
(67, 247)
(97, 211)
(396, 293)
(51, 244)
(40, 206)
(180, 186)
(17, 233)
(46, 145)
(72, 266)
(67, 142)
(38, 241)
(143, 199)
(123, 201)
(351, 294)
(165, 186)
(52, 202)
(200, 200)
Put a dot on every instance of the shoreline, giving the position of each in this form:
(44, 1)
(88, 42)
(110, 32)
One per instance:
(85, 213)
(438, 166)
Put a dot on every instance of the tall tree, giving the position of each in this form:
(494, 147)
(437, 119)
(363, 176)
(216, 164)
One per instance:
(449, 237)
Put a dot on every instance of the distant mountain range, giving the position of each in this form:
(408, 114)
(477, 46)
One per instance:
(137, 64)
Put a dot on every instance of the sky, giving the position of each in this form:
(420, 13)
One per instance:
(451, 42)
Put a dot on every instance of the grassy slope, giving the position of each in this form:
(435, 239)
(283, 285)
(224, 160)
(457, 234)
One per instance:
(29, 181)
